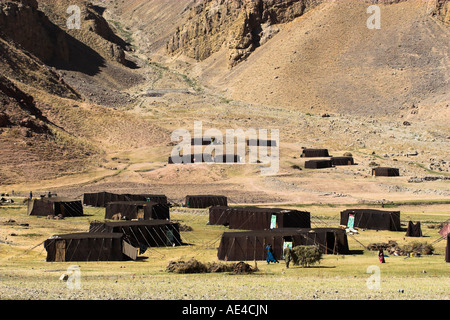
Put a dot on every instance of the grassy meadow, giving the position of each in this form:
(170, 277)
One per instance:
(24, 273)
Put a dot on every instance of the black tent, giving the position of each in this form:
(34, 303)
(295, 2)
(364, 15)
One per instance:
(55, 206)
(143, 233)
(100, 199)
(205, 201)
(89, 247)
(227, 158)
(315, 153)
(342, 161)
(251, 245)
(261, 143)
(318, 164)
(414, 229)
(372, 219)
(385, 172)
(255, 218)
(130, 210)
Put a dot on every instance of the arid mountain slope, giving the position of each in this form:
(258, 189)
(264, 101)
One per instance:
(49, 77)
(329, 61)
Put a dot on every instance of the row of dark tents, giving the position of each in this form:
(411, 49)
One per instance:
(148, 224)
(217, 158)
(129, 206)
(133, 223)
(280, 226)
(112, 241)
(340, 161)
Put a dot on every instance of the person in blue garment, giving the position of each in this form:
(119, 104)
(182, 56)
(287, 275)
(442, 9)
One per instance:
(270, 257)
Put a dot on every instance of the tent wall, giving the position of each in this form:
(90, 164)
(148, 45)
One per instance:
(342, 161)
(385, 172)
(414, 229)
(373, 219)
(137, 210)
(219, 215)
(315, 153)
(251, 245)
(100, 199)
(85, 247)
(153, 233)
(318, 164)
(55, 206)
(205, 201)
(40, 208)
(254, 218)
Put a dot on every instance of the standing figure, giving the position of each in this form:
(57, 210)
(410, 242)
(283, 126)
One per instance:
(287, 256)
(270, 257)
(381, 256)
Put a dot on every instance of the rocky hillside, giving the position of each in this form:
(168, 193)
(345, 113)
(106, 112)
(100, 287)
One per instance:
(49, 75)
(327, 60)
(240, 26)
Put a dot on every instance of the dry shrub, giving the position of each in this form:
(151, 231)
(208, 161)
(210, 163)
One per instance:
(195, 266)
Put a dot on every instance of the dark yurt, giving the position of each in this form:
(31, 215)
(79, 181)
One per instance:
(100, 199)
(129, 210)
(318, 164)
(100, 246)
(143, 233)
(251, 245)
(371, 219)
(315, 153)
(54, 207)
(205, 201)
(342, 161)
(254, 218)
(385, 172)
(414, 229)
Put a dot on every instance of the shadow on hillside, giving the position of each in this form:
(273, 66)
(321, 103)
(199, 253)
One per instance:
(79, 57)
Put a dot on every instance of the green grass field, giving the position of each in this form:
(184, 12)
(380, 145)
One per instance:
(24, 273)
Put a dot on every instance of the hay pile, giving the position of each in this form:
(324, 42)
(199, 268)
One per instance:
(392, 248)
(195, 266)
(306, 255)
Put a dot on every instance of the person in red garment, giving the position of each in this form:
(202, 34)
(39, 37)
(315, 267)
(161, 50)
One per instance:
(381, 256)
